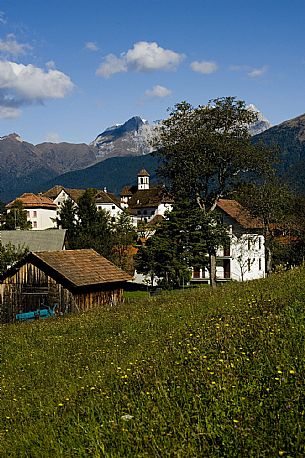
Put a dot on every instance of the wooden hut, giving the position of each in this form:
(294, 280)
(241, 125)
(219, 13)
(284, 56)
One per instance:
(73, 280)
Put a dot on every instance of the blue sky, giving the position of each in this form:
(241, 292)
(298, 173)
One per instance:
(69, 69)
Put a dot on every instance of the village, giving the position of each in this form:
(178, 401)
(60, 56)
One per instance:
(152, 229)
(44, 278)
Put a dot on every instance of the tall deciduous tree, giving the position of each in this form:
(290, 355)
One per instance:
(205, 152)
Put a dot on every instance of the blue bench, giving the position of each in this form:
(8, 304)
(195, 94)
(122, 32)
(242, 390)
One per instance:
(43, 313)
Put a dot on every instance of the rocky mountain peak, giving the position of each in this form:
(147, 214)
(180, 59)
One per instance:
(128, 139)
(13, 137)
(261, 124)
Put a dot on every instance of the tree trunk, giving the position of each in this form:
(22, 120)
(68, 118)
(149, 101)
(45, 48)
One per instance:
(268, 252)
(268, 256)
(212, 267)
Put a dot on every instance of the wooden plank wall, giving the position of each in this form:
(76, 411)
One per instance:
(13, 300)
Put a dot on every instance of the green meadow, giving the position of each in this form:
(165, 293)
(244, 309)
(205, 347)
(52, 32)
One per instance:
(194, 373)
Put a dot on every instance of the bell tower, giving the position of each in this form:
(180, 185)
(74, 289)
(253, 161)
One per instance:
(143, 180)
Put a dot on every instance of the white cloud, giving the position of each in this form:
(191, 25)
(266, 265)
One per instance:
(2, 18)
(9, 112)
(51, 65)
(204, 67)
(158, 91)
(91, 46)
(53, 137)
(143, 57)
(111, 66)
(257, 72)
(10, 46)
(251, 72)
(146, 57)
(25, 84)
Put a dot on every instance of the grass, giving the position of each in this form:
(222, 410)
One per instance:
(191, 374)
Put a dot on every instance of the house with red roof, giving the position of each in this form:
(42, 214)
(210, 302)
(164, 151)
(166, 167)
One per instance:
(41, 210)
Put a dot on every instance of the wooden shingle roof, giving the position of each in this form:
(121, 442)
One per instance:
(80, 267)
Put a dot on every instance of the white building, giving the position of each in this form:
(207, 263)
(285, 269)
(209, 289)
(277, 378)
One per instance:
(41, 211)
(244, 258)
(108, 202)
(103, 199)
(145, 202)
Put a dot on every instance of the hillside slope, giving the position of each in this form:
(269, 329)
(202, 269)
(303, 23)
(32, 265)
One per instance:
(113, 173)
(190, 374)
(289, 138)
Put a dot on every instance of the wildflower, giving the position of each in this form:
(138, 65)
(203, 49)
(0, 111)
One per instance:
(126, 417)
(292, 372)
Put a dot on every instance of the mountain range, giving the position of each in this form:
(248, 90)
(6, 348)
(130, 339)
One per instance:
(25, 167)
(115, 156)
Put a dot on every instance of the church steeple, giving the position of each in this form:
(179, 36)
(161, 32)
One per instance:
(143, 180)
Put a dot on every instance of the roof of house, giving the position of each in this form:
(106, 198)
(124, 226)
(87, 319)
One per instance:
(74, 194)
(156, 220)
(239, 214)
(143, 173)
(150, 197)
(47, 240)
(128, 190)
(77, 268)
(103, 197)
(30, 200)
(53, 192)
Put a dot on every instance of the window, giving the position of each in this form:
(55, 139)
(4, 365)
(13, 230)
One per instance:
(260, 264)
(226, 268)
(196, 272)
(152, 212)
(34, 214)
(259, 243)
(35, 224)
(226, 250)
(249, 244)
(139, 212)
(113, 207)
